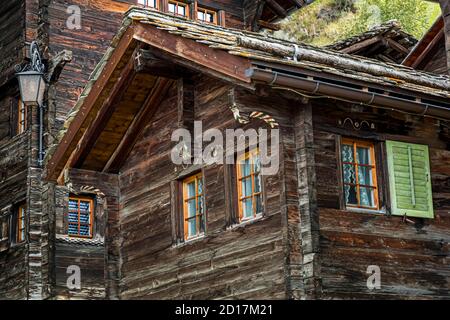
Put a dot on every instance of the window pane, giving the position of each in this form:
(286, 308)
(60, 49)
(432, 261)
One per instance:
(363, 155)
(347, 153)
(246, 187)
(247, 208)
(200, 205)
(73, 229)
(200, 186)
(258, 201)
(349, 173)
(366, 195)
(256, 164)
(209, 17)
(350, 195)
(172, 8)
(84, 230)
(200, 16)
(365, 176)
(245, 167)
(191, 189)
(181, 10)
(257, 183)
(191, 208)
(192, 227)
(73, 217)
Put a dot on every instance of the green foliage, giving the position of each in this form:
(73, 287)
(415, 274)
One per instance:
(327, 21)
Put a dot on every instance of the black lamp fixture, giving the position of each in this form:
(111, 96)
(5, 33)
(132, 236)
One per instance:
(31, 79)
(32, 88)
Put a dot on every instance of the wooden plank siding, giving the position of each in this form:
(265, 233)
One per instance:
(413, 256)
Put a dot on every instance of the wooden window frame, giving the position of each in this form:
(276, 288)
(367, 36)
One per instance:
(21, 225)
(21, 121)
(186, 181)
(177, 4)
(157, 5)
(91, 217)
(205, 11)
(374, 172)
(239, 179)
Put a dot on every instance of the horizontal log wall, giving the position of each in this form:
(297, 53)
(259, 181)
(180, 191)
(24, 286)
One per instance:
(413, 257)
(244, 262)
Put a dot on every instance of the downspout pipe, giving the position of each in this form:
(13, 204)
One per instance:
(345, 93)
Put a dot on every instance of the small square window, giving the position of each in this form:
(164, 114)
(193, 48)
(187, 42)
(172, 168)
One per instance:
(359, 174)
(194, 216)
(208, 16)
(80, 217)
(179, 8)
(249, 185)
(149, 3)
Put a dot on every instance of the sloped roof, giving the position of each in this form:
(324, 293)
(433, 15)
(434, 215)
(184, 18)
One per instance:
(213, 44)
(390, 29)
(230, 40)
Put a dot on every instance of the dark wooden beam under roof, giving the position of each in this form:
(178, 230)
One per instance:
(194, 55)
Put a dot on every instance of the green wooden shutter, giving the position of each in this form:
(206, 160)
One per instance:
(409, 179)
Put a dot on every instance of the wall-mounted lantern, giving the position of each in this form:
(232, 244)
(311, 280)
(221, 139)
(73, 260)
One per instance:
(32, 88)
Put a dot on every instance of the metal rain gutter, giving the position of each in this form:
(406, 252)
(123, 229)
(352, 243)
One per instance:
(313, 86)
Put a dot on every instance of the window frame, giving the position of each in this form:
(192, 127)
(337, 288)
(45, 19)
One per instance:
(178, 4)
(145, 4)
(91, 217)
(21, 223)
(205, 11)
(239, 178)
(185, 200)
(22, 114)
(374, 173)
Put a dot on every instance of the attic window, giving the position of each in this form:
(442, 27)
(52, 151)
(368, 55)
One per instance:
(149, 3)
(206, 15)
(179, 8)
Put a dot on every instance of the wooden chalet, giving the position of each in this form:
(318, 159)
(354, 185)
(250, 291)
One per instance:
(363, 177)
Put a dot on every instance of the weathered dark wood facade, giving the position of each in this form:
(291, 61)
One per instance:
(111, 142)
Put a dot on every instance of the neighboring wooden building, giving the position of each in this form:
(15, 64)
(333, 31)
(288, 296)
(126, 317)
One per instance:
(363, 179)
(386, 42)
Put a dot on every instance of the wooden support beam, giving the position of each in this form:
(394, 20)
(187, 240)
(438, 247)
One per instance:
(147, 62)
(145, 114)
(430, 47)
(277, 8)
(268, 25)
(361, 45)
(396, 46)
(194, 55)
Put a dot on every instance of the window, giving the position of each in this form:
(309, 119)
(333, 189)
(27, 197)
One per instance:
(179, 8)
(21, 213)
(149, 3)
(359, 174)
(193, 207)
(207, 16)
(249, 185)
(409, 179)
(21, 117)
(80, 217)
